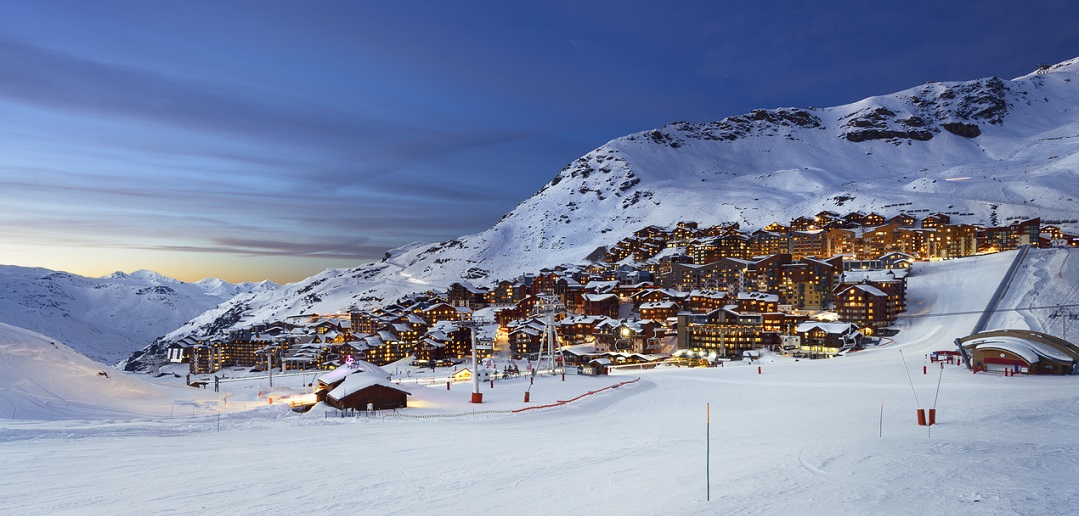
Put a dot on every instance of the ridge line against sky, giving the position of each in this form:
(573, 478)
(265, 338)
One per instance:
(271, 140)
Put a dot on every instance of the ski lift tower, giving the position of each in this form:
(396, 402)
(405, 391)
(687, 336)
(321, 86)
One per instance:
(548, 306)
(473, 326)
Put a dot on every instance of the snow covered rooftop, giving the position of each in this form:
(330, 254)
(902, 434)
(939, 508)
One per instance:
(1030, 350)
(832, 328)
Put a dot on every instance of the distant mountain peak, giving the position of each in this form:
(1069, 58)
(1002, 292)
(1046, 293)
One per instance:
(104, 318)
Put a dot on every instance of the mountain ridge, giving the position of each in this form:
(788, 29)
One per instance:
(86, 313)
(991, 148)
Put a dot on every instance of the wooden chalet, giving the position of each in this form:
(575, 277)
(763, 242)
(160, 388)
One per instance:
(935, 220)
(865, 305)
(600, 304)
(904, 220)
(360, 386)
(826, 339)
(525, 339)
(659, 311)
(466, 294)
(440, 312)
(703, 301)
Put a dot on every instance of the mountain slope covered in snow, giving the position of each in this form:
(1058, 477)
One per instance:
(106, 318)
(46, 379)
(987, 151)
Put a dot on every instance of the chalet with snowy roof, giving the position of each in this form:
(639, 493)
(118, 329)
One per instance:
(894, 260)
(803, 224)
(457, 341)
(764, 272)
(702, 301)
(659, 311)
(826, 217)
(904, 220)
(597, 366)
(854, 217)
(776, 227)
(1052, 232)
(601, 287)
(310, 356)
(647, 249)
(402, 332)
(525, 340)
(324, 325)
(629, 336)
(551, 283)
(782, 323)
(580, 354)
(430, 348)
(756, 302)
(656, 295)
(684, 230)
(440, 312)
(331, 336)
(935, 220)
(865, 305)
(577, 329)
(650, 232)
(384, 347)
(600, 304)
(360, 386)
(827, 339)
(894, 283)
(571, 297)
(508, 292)
(523, 309)
(620, 251)
(466, 294)
(873, 219)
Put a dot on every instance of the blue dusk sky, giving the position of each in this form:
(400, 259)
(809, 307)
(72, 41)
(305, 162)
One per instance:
(262, 139)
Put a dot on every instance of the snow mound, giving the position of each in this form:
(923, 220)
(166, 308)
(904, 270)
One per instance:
(46, 380)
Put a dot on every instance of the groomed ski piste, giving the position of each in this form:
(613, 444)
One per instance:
(836, 436)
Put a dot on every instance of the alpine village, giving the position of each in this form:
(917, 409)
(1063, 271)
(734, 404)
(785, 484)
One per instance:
(691, 295)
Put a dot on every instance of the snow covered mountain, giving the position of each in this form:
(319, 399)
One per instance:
(106, 318)
(987, 151)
